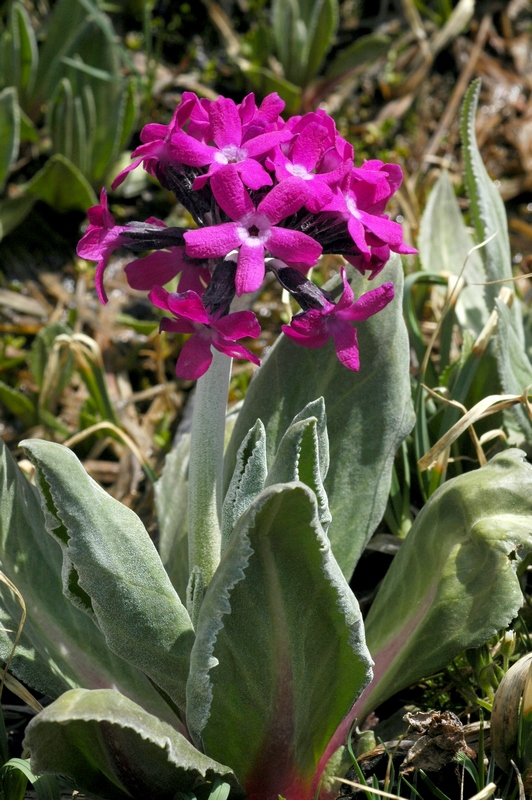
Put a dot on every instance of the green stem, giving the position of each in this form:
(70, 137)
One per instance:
(206, 468)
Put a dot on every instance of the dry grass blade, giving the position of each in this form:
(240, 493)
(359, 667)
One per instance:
(484, 793)
(5, 579)
(20, 690)
(488, 405)
(101, 426)
(369, 789)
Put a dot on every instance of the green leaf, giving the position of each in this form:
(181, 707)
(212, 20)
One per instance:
(321, 19)
(60, 184)
(365, 50)
(375, 399)
(515, 369)
(40, 353)
(248, 479)
(72, 29)
(265, 81)
(112, 571)
(14, 777)
(486, 206)
(444, 245)
(19, 404)
(171, 502)
(24, 51)
(113, 748)
(13, 211)
(60, 647)
(452, 584)
(279, 656)
(303, 32)
(9, 132)
(303, 455)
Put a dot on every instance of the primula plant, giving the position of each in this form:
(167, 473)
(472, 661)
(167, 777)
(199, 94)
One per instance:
(233, 660)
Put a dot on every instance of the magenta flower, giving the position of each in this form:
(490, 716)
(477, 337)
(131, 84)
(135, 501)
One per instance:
(265, 194)
(311, 155)
(101, 238)
(254, 230)
(207, 330)
(156, 150)
(233, 145)
(161, 266)
(314, 328)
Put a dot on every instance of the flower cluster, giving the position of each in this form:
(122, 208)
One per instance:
(266, 195)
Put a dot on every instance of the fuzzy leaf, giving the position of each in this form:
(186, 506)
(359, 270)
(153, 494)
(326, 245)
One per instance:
(445, 244)
(375, 399)
(112, 571)
(60, 184)
(9, 132)
(452, 584)
(113, 748)
(248, 479)
(280, 655)
(171, 502)
(13, 211)
(487, 208)
(303, 455)
(362, 52)
(515, 369)
(60, 647)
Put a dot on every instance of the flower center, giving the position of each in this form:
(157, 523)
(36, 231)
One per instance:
(352, 207)
(298, 171)
(254, 229)
(230, 154)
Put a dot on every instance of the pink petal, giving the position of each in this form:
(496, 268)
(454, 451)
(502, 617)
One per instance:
(238, 325)
(193, 278)
(188, 306)
(291, 245)
(120, 178)
(368, 304)
(159, 297)
(190, 151)
(284, 200)
(307, 330)
(153, 132)
(345, 342)
(270, 108)
(253, 174)
(172, 325)
(250, 267)
(225, 122)
(346, 300)
(156, 269)
(230, 193)
(247, 109)
(358, 233)
(387, 231)
(309, 146)
(234, 350)
(211, 242)
(265, 141)
(194, 359)
(321, 195)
